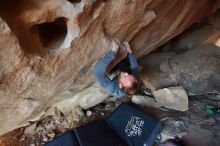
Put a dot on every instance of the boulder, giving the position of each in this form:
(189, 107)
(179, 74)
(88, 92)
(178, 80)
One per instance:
(173, 127)
(145, 101)
(85, 99)
(197, 70)
(190, 60)
(157, 73)
(172, 98)
(48, 48)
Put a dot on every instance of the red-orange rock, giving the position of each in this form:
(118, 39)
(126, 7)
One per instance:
(48, 48)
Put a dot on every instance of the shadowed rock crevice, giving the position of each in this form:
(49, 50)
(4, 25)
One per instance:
(49, 59)
(74, 1)
(52, 34)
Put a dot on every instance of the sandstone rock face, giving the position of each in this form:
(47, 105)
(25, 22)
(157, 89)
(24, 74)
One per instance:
(172, 98)
(191, 60)
(197, 70)
(145, 101)
(48, 48)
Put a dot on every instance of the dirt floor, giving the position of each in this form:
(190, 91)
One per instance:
(196, 126)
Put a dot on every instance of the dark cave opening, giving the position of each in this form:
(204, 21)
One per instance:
(74, 1)
(52, 34)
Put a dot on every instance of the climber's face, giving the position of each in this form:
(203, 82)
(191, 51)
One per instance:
(127, 80)
(128, 83)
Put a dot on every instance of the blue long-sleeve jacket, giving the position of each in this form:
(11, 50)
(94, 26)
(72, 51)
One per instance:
(112, 86)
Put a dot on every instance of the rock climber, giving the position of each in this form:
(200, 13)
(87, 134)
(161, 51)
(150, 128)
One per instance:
(125, 83)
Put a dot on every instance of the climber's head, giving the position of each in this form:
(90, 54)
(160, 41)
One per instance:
(128, 83)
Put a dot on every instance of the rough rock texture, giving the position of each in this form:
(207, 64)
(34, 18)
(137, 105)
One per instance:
(191, 60)
(197, 70)
(85, 99)
(48, 48)
(145, 101)
(205, 31)
(172, 98)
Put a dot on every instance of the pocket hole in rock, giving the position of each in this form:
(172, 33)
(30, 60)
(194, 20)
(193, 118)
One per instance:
(52, 34)
(74, 1)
